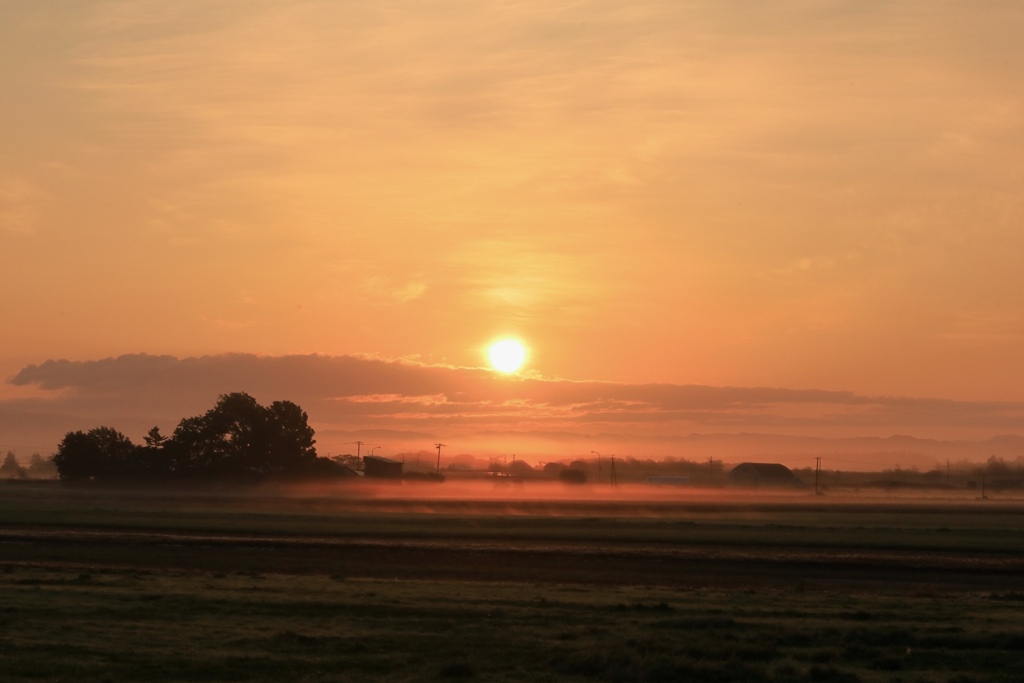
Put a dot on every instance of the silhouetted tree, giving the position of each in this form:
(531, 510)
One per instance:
(520, 468)
(242, 439)
(292, 442)
(352, 462)
(41, 468)
(154, 439)
(573, 476)
(11, 469)
(553, 469)
(237, 440)
(100, 453)
(997, 468)
(155, 460)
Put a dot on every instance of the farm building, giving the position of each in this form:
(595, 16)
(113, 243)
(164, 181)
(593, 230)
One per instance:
(763, 474)
(382, 468)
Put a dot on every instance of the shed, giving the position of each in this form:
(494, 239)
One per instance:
(382, 468)
(763, 474)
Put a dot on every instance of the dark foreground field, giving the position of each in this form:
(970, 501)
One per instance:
(402, 585)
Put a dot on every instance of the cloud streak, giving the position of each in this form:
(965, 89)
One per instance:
(345, 395)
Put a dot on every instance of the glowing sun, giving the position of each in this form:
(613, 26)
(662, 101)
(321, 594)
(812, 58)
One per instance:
(507, 355)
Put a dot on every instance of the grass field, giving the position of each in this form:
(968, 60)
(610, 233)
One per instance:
(395, 585)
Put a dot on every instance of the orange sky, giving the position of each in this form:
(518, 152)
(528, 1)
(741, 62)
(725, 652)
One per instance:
(802, 195)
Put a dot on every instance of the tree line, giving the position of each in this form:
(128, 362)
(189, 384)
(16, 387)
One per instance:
(38, 468)
(238, 441)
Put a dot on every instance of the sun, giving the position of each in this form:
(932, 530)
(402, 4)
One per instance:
(507, 355)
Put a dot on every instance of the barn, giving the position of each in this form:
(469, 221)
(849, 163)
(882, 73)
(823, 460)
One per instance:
(763, 474)
(375, 466)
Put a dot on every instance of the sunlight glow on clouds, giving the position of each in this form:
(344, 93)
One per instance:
(358, 393)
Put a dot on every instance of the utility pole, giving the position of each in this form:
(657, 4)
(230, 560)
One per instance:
(614, 480)
(817, 473)
(438, 445)
(358, 445)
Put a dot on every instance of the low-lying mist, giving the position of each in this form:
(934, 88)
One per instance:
(504, 497)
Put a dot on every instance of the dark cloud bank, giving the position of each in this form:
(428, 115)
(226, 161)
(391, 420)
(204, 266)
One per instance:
(407, 406)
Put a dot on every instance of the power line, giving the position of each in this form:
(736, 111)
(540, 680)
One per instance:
(23, 446)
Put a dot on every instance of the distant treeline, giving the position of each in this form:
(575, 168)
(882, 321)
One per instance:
(237, 441)
(38, 468)
(623, 470)
(995, 473)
